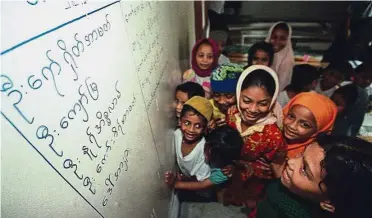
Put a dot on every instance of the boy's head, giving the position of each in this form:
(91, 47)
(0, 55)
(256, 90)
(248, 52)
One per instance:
(335, 171)
(184, 92)
(223, 145)
(345, 97)
(363, 75)
(223, 83)
(261, 53)
(336, 73)
(220, 37)
(195, 115)
(304, 78)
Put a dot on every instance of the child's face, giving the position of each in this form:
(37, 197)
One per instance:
(224, 101)
(179, 101)
(302, 175)
(299, 124)
(340, 102)
(261, 58)
(204, 56)
(254, 104)
(279, 39)
(331, 78)
(221, 45)
(363, 79)
(192, 127)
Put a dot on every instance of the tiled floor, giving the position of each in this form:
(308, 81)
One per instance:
(210, 210)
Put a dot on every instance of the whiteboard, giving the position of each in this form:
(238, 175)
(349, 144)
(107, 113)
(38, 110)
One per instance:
(86, 94)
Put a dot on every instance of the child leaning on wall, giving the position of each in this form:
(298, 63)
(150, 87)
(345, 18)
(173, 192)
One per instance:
(189, 140)
(203, 60)
(183, 93)
(222, 146)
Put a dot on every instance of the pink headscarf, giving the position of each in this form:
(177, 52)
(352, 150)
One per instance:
(216, 54)
(284, 59)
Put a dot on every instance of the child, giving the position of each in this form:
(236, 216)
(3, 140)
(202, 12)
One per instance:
(204, 59)
(280, 37)
(223, 81)
(189, 139)
(183, 93)
(222, 146)
(220, 37)
(304, 79)
(351, 102)
(334, 76)
(305, 116)
(334, 173)
(256, 94)
(261, 53)
(363, 79)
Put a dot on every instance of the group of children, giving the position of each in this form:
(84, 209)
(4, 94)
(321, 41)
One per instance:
(259, 136)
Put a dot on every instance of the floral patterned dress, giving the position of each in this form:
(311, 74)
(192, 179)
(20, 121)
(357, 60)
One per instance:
(260, 141)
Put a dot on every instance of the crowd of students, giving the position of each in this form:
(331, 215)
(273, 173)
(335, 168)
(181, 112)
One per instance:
(276, 138)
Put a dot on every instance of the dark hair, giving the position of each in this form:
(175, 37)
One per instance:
(225, 145)
(364, 68)
(342, 68)
(187, 108)
(260, 78)
(283, 26)
(264, 46)
(303, 75)
(347, 174)
(349, 93)
(192, 89)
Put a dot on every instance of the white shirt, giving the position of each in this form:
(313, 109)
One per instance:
(194, 163)
(330, 91)
(283, 98)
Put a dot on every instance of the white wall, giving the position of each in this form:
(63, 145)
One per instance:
(42, 159)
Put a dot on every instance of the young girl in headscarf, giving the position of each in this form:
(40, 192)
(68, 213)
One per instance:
(256, 94)
(280, 37)
(305, 116)
(204, 59)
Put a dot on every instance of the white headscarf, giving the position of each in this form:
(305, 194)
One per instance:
(284, 59)
(276, 113)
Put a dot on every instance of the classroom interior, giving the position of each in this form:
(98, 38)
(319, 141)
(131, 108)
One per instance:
(87, 95)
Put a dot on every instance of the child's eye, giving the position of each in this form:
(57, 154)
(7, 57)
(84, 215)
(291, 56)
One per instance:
(210, 57)
(290, 116)
(186, 123)
(198, 126)
(306, 125)
(263, 104)
(303, 170)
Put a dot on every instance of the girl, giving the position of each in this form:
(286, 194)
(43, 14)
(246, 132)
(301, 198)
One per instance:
(333, 172)
(256, 94)
(280, 37)
(305, 116)
(261, 53)
(204, 59)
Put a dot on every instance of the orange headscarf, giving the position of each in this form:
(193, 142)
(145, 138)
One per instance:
(324, 112)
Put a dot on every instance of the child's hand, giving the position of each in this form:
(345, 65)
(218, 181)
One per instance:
(231, 109)
(170, 179)
(255, 168)
(220, 122)
(228, 170)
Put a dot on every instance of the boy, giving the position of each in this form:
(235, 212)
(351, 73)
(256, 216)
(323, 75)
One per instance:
(221, 38)
(184, 92)
(223, 83)
(223, 145)
(335, 75)
(304, 79)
